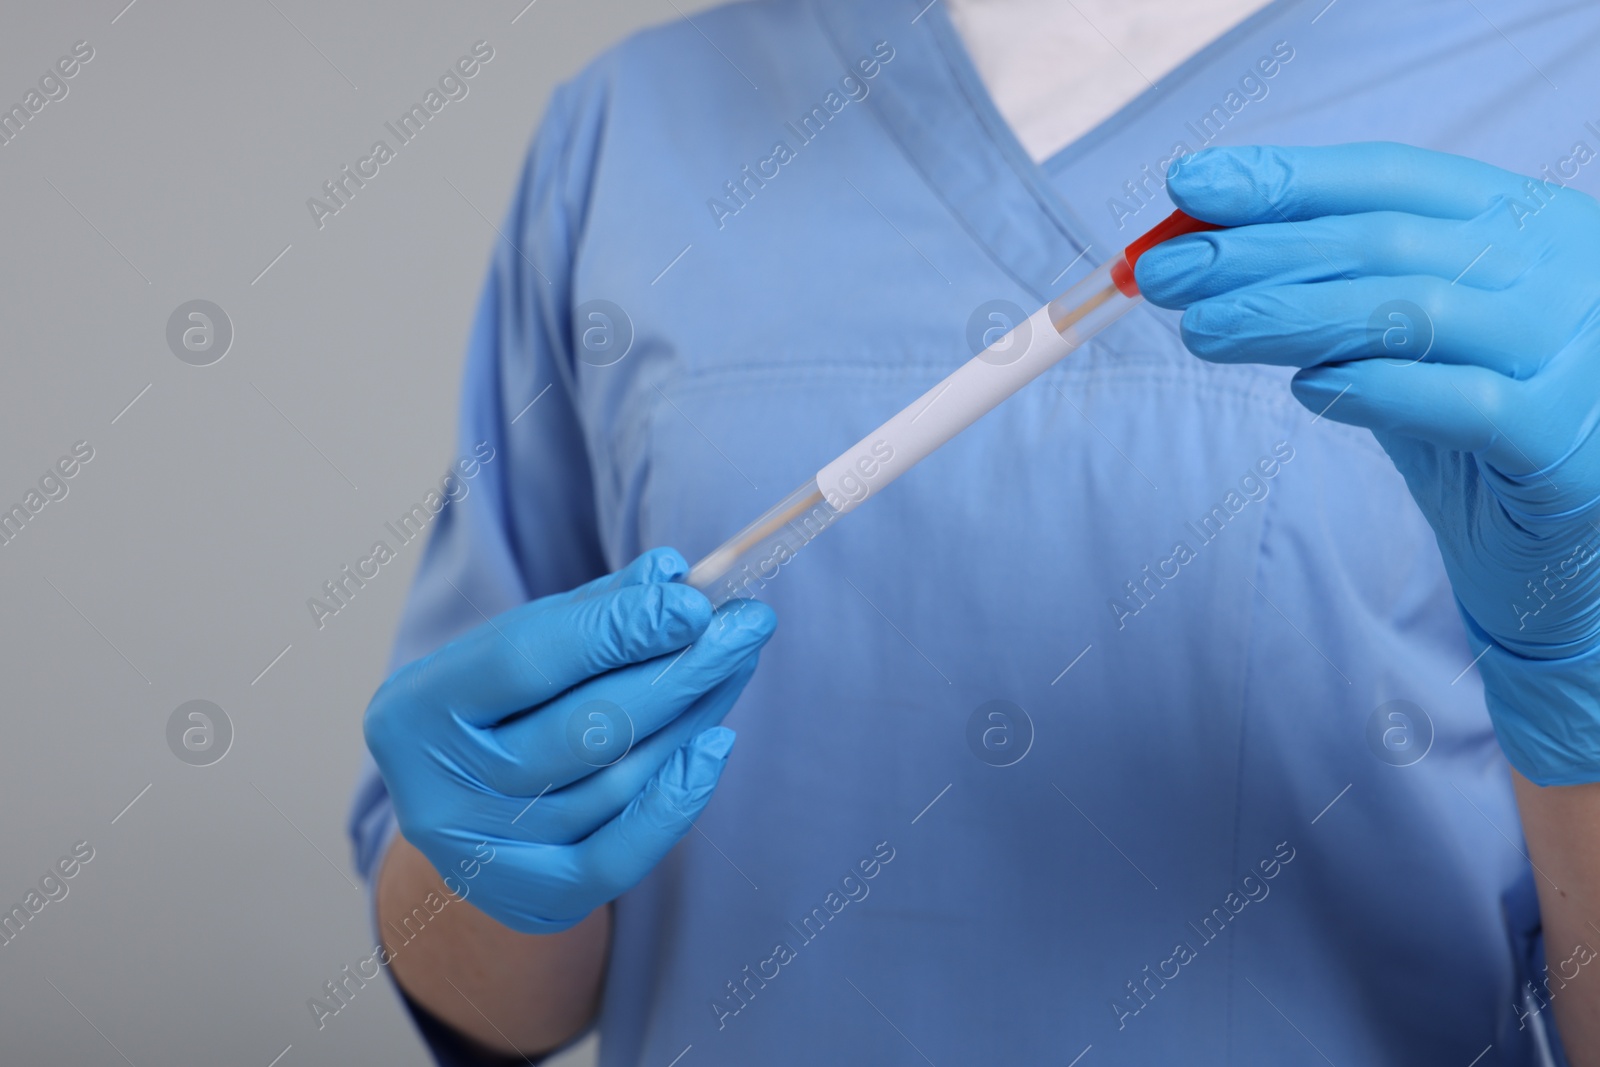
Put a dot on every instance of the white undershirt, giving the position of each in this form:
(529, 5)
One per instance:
(1058, 68)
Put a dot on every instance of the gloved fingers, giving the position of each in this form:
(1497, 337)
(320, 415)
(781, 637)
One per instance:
(616, 857)
(534, 652)
(1454, 408)
(1254, 184)
(1477, 254)
(543, 887)
(566, 816)
(540, 889)
(1401, 319)
(597, 723)
(1426, 414)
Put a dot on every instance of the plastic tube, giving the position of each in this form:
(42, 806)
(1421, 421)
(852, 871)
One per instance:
(743, 565)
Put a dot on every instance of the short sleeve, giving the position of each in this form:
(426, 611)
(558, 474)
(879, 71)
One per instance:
(520, 521)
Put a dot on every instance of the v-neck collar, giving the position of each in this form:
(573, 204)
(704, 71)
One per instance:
(937, 108)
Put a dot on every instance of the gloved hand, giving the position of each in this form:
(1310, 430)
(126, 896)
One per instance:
(1453, 309)
(576, 734)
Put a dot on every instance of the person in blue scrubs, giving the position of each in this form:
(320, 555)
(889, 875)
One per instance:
(1168, 715)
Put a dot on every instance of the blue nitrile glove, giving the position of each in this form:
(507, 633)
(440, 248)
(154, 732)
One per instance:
(1453, 309)
(571, 735)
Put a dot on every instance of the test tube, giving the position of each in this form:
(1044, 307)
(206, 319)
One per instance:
(746, 562)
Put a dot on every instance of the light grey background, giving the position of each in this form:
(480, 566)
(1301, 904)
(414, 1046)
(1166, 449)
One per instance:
(179, 564)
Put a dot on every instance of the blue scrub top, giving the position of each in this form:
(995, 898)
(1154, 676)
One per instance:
(1197, 834)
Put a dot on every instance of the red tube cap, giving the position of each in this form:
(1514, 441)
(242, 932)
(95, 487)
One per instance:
(1174, 225)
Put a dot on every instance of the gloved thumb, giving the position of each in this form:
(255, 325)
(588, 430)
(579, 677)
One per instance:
(617, 856)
